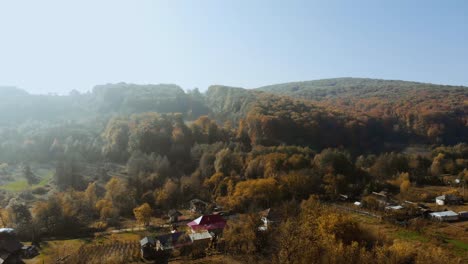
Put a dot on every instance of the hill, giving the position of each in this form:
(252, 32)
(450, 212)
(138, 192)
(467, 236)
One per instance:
(435, 112)
(357, 87)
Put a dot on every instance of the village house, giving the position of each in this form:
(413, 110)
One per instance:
(148, 247)
(444, 216)
(448, 199)
(161, 246)
(268, 217)
(212, 223)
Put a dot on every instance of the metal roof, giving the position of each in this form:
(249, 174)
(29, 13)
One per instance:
(147, 240)
(444, 214)
(395, 207)
(200, 236)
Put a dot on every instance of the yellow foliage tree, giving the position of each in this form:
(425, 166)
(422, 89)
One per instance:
(143, 214)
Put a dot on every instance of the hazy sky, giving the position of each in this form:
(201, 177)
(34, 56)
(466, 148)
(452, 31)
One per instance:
(57, 46)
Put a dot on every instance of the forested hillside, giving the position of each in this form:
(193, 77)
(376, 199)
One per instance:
(88, 162)
(434, 112)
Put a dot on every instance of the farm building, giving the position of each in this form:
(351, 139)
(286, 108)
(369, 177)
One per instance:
(213, 223)
(448, 199)
(444, 216)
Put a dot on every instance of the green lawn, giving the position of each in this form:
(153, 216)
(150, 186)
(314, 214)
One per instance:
(15, 186)
(411, 235)
(21, 185)
(458, 244)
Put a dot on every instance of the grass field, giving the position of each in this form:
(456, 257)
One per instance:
(411, 236)
(21, 184)
(449, 236)
(458, 244)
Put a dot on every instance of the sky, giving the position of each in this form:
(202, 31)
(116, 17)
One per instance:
(60, 45)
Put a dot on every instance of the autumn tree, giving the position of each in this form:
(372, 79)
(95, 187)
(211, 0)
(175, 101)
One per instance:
(167, 196)
(242, 235)
(143, 214)
(117, 193)
(258, 192)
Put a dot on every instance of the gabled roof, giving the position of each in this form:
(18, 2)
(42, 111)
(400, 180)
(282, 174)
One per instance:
(444, 214)
(265, 213)
(208, 222)
(270, 214)
(147, 240)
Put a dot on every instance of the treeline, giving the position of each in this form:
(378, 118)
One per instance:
(436, 113)
(168, 163)
(103, 101)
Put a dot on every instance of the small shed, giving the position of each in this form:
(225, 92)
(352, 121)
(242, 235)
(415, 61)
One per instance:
(444, 216)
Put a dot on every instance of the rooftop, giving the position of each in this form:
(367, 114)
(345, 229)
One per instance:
(444, 214)
(200, 236)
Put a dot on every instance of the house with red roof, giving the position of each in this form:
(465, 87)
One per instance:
(212, 223)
